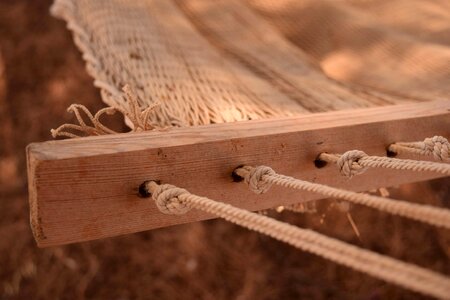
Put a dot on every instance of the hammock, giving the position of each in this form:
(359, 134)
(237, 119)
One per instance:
(318, 81)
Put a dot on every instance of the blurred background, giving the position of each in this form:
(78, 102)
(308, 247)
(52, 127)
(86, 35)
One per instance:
(41, 74)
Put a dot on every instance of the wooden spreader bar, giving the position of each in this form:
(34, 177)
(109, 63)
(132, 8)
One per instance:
(87, 188)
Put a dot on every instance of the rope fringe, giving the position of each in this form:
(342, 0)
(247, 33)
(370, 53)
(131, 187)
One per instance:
(436, 146)
(261, 178)
(137, 117)
(355, 162)
(174, 200)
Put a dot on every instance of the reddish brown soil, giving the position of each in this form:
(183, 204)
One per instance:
(41, 75)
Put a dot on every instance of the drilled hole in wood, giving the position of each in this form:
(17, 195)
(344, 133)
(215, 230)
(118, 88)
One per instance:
(319, 163)
(143, 191)
(235, 176)
(390, 153)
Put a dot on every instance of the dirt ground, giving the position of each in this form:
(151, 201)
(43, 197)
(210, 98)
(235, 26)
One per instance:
(41, 74)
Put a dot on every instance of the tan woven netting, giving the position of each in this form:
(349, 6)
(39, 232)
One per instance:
(222, 61)
(396, 46)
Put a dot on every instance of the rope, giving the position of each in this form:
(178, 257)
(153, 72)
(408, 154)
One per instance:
(356, 162)
(437, 146)
(261, 178)
(173, 200)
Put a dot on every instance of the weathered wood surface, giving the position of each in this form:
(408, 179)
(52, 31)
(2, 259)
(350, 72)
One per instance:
(85, 189)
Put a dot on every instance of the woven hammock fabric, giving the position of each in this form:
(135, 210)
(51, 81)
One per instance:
(223, 61)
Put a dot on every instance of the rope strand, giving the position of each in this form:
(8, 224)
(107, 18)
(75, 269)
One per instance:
(355, 162)
(173, 200)
(261, 178)
(436, 146)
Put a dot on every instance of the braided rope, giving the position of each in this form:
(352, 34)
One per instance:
(437, 146)
(261, 178)
(355, 162)
(409, 276)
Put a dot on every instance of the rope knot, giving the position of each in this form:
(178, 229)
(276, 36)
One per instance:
(167, 199)
(438, 146)
(349, 164)
(254, 178)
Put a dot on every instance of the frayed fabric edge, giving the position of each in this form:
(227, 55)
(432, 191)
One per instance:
(136, 117)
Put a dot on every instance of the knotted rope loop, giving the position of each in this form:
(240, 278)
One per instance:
(424, 213)
(438, 146)
(349, 165)
(168, 201)
(355, 162)
(382, 267)
(253, 176)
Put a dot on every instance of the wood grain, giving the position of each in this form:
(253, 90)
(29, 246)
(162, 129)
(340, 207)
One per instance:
(85, 189)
